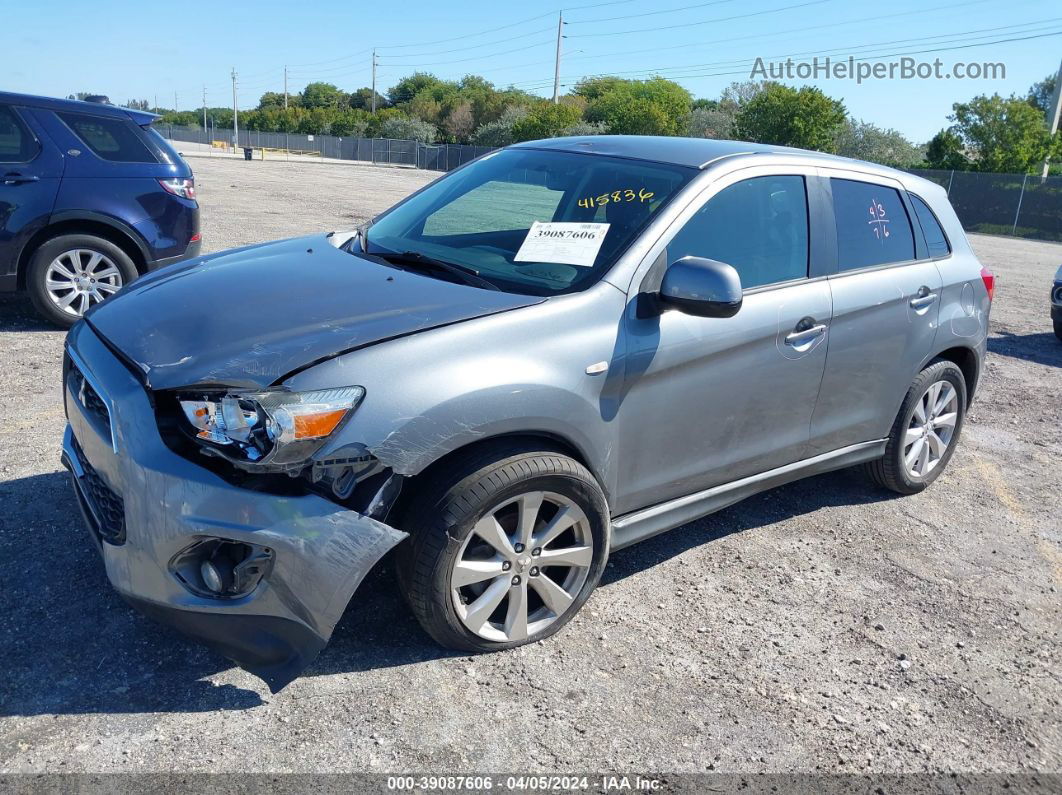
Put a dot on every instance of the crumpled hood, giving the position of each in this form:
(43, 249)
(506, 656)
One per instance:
(247, 317)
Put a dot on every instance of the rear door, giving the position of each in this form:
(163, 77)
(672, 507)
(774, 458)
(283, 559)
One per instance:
(30, 172)
(886, 297)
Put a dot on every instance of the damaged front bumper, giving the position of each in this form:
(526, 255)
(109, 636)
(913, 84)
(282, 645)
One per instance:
(146, 507)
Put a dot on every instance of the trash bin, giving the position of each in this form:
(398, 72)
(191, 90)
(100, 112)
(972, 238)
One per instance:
(247, 152)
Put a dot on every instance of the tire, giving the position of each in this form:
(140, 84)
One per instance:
(894, 470)
(486, 490)
(96, 256)
(1058, 329)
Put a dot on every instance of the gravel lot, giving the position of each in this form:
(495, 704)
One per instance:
(823, 626)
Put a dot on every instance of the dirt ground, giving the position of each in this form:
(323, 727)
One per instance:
(822, 626)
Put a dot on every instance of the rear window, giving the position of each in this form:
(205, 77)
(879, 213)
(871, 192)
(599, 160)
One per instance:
(112, 139)
(17, 144)
(872, 225)
(168, 152)
(936, 240)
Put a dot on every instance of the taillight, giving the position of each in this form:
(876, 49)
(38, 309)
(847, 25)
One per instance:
(183, 187)
(989, 279)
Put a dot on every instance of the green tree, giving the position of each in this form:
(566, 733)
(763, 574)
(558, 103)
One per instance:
(408, 87)
(945, 150)
(591, 88)
(362, 99)
(1040, 93)
(642, 107)
(459, 123)
(274, 99)
(408, 129)
(500, 131)
(711, 123)
(805, 118)
(1006, 135)
(545, 120)
(866, 141)
(323, 95)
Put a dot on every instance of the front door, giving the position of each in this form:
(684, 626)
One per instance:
(712, 400)
(30, 170)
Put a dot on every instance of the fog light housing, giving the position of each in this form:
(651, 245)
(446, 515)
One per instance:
(212, 577)
(220, 568)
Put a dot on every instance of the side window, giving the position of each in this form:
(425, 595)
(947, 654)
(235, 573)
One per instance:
(760, 226)
(111, 139)
(872, 225)
(17, 144)
(936, 240)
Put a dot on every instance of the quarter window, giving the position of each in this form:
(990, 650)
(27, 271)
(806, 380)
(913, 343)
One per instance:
(17, 144)
(872, 225)
(936, 240)
(759, 226)
(111, 139)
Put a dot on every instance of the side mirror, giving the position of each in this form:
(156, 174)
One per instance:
(701, 287)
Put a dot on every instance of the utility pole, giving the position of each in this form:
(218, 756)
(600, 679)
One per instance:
(374, 82)
(1054, 110)
(174, 101)
(285, 86)
(235, 114)
(156, 108)
(556, 68)
(204, 109)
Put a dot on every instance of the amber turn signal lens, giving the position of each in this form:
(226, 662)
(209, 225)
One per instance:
(314, 426)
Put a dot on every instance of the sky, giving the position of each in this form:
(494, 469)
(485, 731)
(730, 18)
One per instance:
(144, 50)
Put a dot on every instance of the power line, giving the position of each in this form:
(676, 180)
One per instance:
(466, 35)
(951, 37)
(707, 21)
(474, 46)
(880, 56)
(649, 13)
(790, 31)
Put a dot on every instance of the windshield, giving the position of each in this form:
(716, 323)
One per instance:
(531, 221)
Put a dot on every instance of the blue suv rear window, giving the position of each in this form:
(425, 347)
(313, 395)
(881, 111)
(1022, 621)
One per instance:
(112, 139)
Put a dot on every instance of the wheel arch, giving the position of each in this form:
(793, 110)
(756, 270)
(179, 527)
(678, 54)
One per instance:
(528, 440)
(966, 359)
(110, 230)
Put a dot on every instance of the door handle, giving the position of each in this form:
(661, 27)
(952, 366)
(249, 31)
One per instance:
(14, 178)
(805, 334)
(923, 298)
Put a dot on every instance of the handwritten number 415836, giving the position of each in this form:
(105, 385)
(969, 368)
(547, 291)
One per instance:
(617, 196)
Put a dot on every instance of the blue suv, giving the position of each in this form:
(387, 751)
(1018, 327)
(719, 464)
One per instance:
(91, 196)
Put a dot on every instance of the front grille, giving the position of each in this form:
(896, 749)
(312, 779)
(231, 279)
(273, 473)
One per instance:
(88, 396)
(107, 507)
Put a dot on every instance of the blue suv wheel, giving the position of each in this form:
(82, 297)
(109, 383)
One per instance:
(71, 273)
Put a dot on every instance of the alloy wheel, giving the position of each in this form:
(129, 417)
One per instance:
(931, 429)
(79, 278)
(522, 566)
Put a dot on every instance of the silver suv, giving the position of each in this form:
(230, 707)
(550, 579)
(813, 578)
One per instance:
(552, 353)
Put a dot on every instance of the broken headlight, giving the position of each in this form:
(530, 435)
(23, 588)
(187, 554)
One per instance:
(269, 430)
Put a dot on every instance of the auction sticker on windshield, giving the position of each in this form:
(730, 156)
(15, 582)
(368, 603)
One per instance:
(563, 243)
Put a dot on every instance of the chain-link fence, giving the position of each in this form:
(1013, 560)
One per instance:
(388, 151)
(1003, 204)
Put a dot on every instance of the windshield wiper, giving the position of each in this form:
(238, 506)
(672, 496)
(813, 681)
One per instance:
(415, 258)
